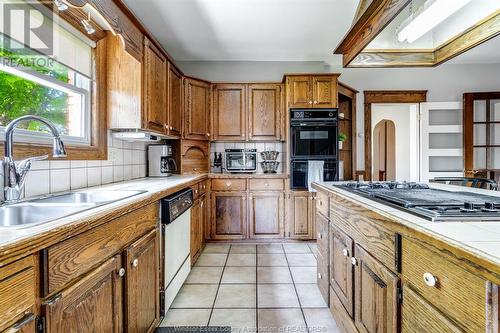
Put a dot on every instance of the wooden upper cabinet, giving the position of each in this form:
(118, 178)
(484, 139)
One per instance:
(376, 306)
(175, 103)
(299, 92)
(266, 214)
(142, 288)
(312, 91)
(155, 88)
(196, 109)
(264, 112)
(93, 304)
(229, 112)
(324, 91)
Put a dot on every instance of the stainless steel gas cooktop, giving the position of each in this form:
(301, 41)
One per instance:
(432, 204)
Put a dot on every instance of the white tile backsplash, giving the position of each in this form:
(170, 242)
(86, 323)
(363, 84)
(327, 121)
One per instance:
(126, 160)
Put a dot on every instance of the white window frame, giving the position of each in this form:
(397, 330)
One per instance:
(25, 136)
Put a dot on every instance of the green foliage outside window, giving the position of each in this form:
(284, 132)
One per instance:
(20, 96)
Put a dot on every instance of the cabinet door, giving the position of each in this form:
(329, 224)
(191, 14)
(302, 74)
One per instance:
(299, 92)
(264, 112)
(229, 215)
(195, 230)
(196, 110)
(376, 305)
(174, 102)
(299, 212)
(324, 91)
(266, 214)
(230, 112)
(155, 88)
(417, 316)
(142, 300)
(93, 304)
(341, 269)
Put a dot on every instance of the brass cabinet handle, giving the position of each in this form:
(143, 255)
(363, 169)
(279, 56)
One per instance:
(345, 252)
(430, 279)
(171, 127)
(228, 184)
(354, 261)
(320, 236)
(135, 263)
(121, 272)
(310, 102)
(315, 102)
(208, 134)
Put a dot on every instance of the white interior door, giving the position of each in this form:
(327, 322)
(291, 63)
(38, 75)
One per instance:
(441, 143)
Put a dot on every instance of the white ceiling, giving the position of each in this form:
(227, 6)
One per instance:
(247, 30)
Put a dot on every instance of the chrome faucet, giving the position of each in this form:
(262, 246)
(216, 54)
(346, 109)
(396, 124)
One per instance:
(14, 173)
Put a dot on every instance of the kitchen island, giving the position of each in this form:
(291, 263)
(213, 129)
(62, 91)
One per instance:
(385, 270)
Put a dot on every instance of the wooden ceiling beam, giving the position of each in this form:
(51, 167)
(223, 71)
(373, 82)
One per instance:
(374, 19)
(382, 59)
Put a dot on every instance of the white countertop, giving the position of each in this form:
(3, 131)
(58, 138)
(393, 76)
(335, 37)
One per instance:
(152, 186)
(479, 238)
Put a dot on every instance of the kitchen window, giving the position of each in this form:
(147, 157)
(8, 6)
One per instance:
(58, 83)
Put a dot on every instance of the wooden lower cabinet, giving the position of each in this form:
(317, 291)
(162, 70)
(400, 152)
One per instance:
(142, 293)
(300, 218)
(266, 214)
(417, 315)
(341, 269)
(229, 215)
(26, 325)
(375, 305)
(198, 222)
(93, 304)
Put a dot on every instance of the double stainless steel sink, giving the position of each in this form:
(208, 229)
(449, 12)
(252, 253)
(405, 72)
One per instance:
(43, 210)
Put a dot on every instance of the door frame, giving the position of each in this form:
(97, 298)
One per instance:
(468, 126)
(384, 96)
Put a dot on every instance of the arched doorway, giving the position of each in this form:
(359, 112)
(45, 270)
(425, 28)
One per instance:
(384, 151)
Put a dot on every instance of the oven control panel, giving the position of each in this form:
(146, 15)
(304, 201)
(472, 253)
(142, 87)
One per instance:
(298, 114)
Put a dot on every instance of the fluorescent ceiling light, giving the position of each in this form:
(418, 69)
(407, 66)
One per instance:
(435, 12)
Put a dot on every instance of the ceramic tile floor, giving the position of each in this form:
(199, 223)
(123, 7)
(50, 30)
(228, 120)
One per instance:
(271, 287)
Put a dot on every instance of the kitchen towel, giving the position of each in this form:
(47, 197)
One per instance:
(314, 173)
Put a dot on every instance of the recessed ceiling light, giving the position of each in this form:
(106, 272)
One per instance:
(434, 12)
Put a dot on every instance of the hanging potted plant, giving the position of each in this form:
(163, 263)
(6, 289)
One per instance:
(342, 137)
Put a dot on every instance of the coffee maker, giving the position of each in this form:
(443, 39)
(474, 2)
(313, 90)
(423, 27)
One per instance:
(160, 160)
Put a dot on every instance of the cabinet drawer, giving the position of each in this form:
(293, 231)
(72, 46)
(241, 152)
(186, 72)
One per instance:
(73, 257)
(203, 187)
(229, 184)
(322, 203)
(322, 277)
(17, 290)
(418, 316)
(196, 191)
(322, 234)
(266, 184)
(456, 292)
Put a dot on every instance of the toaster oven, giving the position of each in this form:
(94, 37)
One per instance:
(240, 160)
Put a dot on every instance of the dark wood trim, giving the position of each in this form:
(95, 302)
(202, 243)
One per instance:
(384, 96)
(468, 126)
(373, 20)
(350, 92)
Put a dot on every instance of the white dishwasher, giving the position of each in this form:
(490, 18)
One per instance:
(175, 245)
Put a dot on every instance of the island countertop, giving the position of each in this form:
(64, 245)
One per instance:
(479, 239)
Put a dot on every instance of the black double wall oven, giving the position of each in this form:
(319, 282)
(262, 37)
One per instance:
(313, 137)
